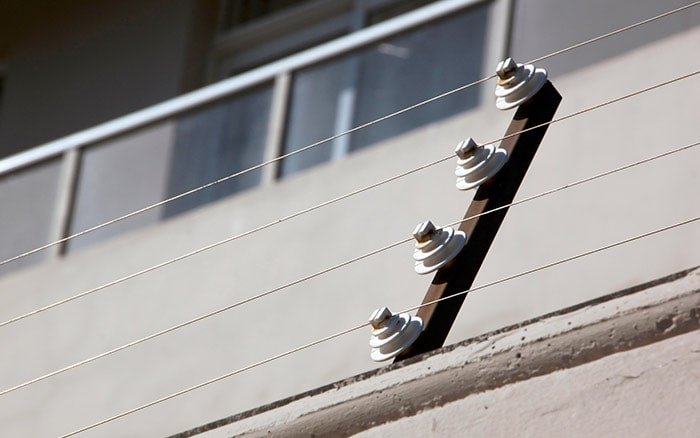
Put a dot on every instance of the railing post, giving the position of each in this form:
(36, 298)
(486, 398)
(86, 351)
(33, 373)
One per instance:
(498, 192)
(65, 198)
(276, 126)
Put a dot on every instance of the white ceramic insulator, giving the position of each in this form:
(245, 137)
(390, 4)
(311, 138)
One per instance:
(520, 87)
(482, 163)
(443, 246)
(394, 335)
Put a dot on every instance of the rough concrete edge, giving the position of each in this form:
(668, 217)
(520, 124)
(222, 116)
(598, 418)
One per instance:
(562, 339)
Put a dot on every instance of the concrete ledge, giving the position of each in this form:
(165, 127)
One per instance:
(574, 336)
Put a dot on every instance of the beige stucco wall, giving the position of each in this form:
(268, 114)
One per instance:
(622, 361)
(533, 234)
(647, 392)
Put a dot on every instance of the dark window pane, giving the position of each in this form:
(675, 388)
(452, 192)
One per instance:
(237, 12)
(395, 9)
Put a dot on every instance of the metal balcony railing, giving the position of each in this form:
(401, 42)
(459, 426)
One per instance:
(87, 178)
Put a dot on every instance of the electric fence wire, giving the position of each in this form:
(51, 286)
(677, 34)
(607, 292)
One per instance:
(336, 136)
(392, 245)
(246, 233)
(359, 326)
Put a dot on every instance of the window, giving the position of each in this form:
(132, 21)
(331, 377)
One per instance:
(238, 12)
(256, 32)
(252, 36)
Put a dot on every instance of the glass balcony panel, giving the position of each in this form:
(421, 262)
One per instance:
(314, 114)
(217, 141)
(169, 158)
(356, 88)
(416, 66)
(28, 198)
(120, 176)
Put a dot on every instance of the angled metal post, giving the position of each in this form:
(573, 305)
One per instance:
(460, 273)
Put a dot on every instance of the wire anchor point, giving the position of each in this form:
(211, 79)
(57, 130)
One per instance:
(476, 164)
(517, 83)
(392, 333)
(435, 247)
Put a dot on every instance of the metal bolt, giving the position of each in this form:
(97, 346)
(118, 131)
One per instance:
(424, 231)
(379, 316)
(465, 147)
(506, 69)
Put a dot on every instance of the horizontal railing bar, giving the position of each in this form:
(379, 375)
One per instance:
(226, 87)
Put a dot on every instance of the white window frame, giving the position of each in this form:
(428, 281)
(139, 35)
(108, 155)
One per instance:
(287, 31)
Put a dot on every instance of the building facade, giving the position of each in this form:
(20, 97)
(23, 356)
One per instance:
(109, 107)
